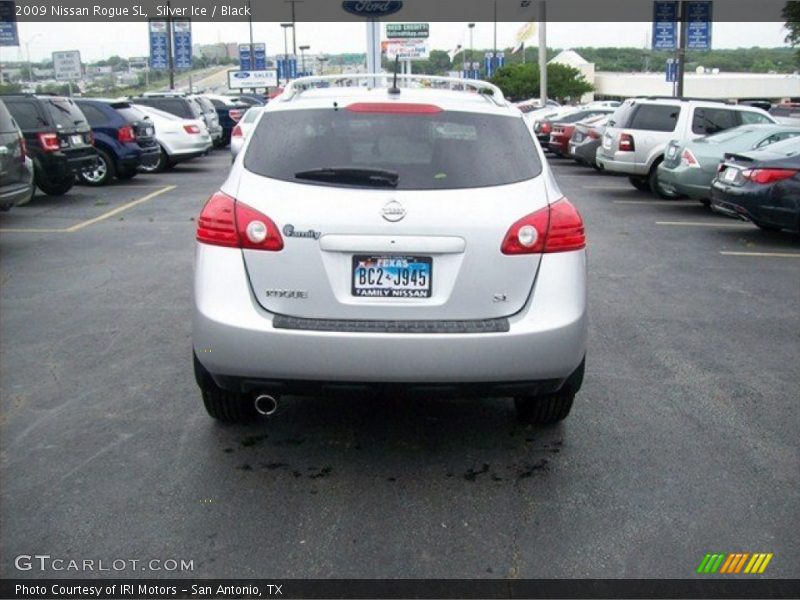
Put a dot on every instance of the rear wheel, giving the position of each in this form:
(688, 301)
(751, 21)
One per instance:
(102, 174)
(658, 189)
(223, 405)
(547, 409)
(157, 166)
(57, 187)
(640, 183)
(705, 202)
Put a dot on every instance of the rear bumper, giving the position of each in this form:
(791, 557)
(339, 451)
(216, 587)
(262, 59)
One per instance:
(616, 165)
(686, 181)
(236, 342)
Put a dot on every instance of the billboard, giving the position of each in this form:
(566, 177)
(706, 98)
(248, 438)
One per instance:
(8, 24)
(698, 26)
(159, 45)
(405, 49)
(182, 43)
(67, 65)
(252, 79)
(415, 31)
(665, 25)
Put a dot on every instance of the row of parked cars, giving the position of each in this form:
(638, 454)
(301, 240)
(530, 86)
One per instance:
(741, 160)
(51, 142)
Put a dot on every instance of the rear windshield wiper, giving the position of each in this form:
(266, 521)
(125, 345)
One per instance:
(352, 175)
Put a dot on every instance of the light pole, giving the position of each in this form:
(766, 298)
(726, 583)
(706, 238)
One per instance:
(252, 48)
(28, 52)
(471, 27)
(303, 57)
(322, 60)
(285, 51)
(294, 31)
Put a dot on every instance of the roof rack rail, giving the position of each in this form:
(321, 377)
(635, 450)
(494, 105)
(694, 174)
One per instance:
(297, 86)
(684, 98)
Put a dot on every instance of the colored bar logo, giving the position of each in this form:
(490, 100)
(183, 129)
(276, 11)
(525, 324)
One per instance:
(734, 563)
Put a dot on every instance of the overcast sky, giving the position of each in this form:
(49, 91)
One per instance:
(101, 40)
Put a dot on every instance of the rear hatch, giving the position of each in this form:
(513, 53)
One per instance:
(74, 133)
(412, 230)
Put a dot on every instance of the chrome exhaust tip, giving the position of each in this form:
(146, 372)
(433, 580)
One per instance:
(266, 405)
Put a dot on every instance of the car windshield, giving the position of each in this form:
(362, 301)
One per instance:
(65, 113)
(426, 150)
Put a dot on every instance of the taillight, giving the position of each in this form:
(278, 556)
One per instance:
(193, 129)
(126, 134)
(235, 113)
(227, 222)
(688, 159)
(764, 176)
(546, 127)
(23, 147)
(237, 131)
(557, 227)
(626, 143)
(49, 142)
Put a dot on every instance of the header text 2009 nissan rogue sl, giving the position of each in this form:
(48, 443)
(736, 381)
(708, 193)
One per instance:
(412, 237)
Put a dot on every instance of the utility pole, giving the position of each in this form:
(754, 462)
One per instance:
(285, 52)
(681, 54)
(542, 53)
(252, 47)
(494, 52)
(169, 50)
(471, 58)
(294, 30)
(303, 56)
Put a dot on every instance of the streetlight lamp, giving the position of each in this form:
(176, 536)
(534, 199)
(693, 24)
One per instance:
(285, 51)
(322, 60)
(303, 57)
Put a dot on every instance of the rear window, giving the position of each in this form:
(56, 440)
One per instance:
(95, 116)
(64, 113)
(251, 115)
(622, 115)
(6, 121)
(655, 117)
(26, 114)
(711, 120)
(444, 150)
(131, 114)
(175, 106)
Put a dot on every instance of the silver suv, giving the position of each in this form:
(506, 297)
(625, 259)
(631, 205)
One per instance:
(408, 237)
(640, 129)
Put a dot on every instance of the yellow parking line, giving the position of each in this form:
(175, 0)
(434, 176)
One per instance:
(102, 217)
(764, 254)
(701, 224)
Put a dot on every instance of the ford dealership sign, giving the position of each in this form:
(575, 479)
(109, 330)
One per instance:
(372, 8)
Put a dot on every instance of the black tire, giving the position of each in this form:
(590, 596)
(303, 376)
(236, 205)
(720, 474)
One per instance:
(126, 174)
(640, 183)
(705, 202)
(103, 174)
(58, 187)
(548, 409)
(157, 167)
(228, 407)
(657, 189)
(222, 405)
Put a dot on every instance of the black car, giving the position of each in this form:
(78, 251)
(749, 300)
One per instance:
(16, 169)
(229, 109)
(58, 139)
(123, 138)
(762, 186)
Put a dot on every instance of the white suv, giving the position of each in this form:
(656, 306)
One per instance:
(407, 237)
(639, 131)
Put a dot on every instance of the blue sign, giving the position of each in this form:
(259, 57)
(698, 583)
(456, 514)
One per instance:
(665, 25)
(491, 62)
(260, 56)
(372, 8)
(159, 45)
(8, 24)
(672, 70)
(698, 25)
(287, 68)
(245, 64)
(182, 43)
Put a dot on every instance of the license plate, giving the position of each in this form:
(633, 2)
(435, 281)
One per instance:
(729, 175)
(76, 140)
(578, 137)
(149, 131)
(572, 148)
(671, 151)
(382, 276)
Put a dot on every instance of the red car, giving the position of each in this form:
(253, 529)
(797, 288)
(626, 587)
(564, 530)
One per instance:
(560, 135)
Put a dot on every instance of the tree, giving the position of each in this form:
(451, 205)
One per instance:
(791, 12)
(520, 82)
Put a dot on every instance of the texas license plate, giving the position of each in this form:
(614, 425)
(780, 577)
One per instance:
(671, 151)
(729, 175)
(383, 276)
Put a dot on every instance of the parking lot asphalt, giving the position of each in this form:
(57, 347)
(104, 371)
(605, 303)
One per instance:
(683, 440)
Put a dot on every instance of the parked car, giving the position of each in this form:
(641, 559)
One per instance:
(243, 128)
(762, 186)
(124, 140)
(638, 132)
(532, 104)
(210, 118)
(689, 167)
(229, 110)
(249, 99)
(16, 169)
(57, 138)
(416, 240)
(787, 113)
(543, 127)
(561, 133)
(586, 139)
(179, 139)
